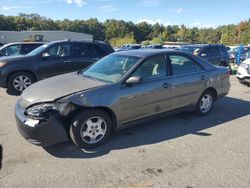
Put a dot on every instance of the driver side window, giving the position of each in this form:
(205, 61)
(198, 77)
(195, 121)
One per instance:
(152, 68)
(59, 50)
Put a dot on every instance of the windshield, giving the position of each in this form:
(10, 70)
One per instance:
(38, 50)
(111, 68)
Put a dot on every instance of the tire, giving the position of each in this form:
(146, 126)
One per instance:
(242, 82)
(12, 82)
(205, 103)
(85, 126)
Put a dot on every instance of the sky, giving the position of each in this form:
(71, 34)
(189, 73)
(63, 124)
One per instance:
(198, 13)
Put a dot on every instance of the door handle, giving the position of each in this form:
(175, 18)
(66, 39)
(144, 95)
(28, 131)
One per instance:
(203, 77)
(165, 85)
(67, 61)
(96, 59)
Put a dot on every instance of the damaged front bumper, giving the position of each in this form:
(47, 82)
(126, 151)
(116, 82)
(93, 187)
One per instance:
(42, 132)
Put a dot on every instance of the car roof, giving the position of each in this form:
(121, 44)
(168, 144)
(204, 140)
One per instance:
(202, 45)
(79, 41)
(146, 52)
(25, 43)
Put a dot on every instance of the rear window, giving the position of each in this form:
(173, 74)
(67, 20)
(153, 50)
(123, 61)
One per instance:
(100, 51)
(212, 51)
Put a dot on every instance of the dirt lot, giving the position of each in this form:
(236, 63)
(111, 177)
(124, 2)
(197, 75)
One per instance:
(179, 151)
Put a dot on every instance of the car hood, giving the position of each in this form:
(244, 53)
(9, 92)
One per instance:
(56, 87)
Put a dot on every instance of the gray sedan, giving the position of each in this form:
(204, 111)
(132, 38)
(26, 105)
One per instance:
(120, 90)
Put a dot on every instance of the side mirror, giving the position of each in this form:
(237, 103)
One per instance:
(133, 80)
(45, 55)
(203, 55)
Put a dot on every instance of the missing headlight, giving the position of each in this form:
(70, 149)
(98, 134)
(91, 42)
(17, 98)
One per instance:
(45, 110)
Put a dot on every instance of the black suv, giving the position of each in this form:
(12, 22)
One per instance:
(54, 58)
(216, 54)
(18, 48)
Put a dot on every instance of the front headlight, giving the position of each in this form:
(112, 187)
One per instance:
(2, 64)
(43, 110)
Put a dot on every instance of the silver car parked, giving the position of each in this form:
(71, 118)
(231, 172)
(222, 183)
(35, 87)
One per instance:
(120, 90)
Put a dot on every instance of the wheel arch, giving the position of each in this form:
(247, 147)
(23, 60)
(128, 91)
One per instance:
(22, 70)
(104, 108)
(214, 92)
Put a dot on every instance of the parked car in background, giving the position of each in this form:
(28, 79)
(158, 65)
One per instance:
(128, 47)
(233, 54)
(51, 59)
(120, 90)
(216, 54)
(243, 73)
(19, 48)
(154, 46)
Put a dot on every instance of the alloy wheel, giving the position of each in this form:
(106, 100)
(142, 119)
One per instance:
(21, 82)
(206, 103)
(93, 130)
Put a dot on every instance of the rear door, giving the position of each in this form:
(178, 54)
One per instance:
(212, 55)
(150, 97)
(56, 60)
(188, 80)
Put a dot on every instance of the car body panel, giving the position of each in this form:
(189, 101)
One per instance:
(219, 56)
(57, 87)
(44, 67)
(131, 103)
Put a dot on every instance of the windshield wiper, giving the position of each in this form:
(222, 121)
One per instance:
(96, 79)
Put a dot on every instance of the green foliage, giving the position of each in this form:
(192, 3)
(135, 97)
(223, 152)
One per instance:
(145, 42)
(127, 39)
(156, 40)
(119, 32)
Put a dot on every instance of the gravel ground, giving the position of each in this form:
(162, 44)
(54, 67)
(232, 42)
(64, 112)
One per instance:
(179, 151)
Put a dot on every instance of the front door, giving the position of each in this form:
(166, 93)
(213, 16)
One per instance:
(150, 97)
(56, 60)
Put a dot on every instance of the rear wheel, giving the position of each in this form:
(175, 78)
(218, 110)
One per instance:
(19, 81)
(205, 103)
(90, 128)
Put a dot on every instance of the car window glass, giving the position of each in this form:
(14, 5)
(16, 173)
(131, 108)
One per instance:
(26, 48)
(59, 50)
(181, 64)
(211, 51)
(100, 51)
(152, 68)
(84, 50)
(12, 50)
(111, 68)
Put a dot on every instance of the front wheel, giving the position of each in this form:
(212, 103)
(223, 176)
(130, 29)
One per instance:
(90, 128)
(19, 81)
(205, 103)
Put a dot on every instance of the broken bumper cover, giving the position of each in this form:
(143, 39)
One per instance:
(40, 132)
